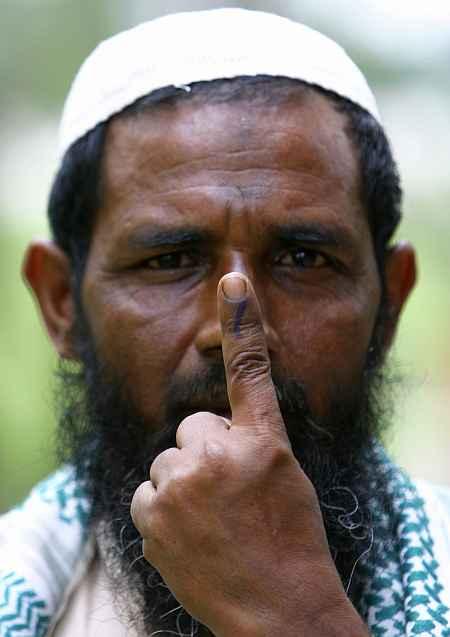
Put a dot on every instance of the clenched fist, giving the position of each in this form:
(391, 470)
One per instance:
(229, 518)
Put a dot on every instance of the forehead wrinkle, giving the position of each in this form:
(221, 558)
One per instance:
(258, 154)
(246, 185)
(259, 197)
(192, 159)
(233, 201)
(145, 174)
(153, 169)
(261, 177)
(184, 135)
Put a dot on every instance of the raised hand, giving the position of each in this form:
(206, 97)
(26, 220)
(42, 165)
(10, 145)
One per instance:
(229, 518)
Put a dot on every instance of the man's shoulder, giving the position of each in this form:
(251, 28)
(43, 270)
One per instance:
(44, 544)
(55, 514)
(60, 492)
(436, 498)
(436, 501)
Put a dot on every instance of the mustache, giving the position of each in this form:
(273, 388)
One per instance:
(349, 417)
(206, 390)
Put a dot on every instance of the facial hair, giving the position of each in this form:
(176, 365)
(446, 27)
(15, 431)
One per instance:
(111, 445)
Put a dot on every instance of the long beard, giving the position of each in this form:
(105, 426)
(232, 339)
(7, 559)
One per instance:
(111, 446)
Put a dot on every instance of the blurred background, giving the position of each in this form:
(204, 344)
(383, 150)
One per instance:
(403, 46)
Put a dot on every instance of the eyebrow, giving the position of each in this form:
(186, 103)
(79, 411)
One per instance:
(149, 238)
(312, 233)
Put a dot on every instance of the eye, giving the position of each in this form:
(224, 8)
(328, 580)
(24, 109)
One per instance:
(172, 261)
(301, 258)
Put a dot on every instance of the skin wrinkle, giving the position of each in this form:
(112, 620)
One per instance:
(310, 185)
(175, 171)
(338, 169)
(148, 163)
(238, 154)
(168, 196)
(210, 114)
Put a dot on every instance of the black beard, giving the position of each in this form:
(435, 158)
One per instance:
(102, 434)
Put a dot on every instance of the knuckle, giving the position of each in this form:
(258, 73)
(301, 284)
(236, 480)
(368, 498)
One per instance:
(188, 422)
(195, 421)
(195, 427)
(140, 509)
(168, 454)
(191, 480)
(172, 490)
(160, 461)
(281, 455)
(215, 457)
(275, 456)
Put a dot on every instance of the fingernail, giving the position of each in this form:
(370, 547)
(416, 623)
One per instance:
(234, 288)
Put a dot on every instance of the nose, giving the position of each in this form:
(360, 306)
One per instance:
(209, 336)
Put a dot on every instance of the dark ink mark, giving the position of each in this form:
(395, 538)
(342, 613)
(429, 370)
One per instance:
(240, 311)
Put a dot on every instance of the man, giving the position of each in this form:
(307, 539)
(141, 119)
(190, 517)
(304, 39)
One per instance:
(222, 290)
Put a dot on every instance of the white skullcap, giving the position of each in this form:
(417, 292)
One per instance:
(179, 49)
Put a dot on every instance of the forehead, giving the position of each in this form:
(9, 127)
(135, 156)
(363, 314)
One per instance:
(275, 156)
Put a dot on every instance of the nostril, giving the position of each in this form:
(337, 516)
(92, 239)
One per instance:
(209, 338)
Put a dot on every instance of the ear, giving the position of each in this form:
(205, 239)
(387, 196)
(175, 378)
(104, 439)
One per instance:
(46, 269)
(400, 277)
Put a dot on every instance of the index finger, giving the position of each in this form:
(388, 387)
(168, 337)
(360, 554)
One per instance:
(251, 392)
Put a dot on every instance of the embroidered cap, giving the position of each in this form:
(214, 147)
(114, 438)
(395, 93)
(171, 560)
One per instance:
(183, 48)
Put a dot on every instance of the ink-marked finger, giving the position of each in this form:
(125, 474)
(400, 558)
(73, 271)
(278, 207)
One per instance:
(251, 391)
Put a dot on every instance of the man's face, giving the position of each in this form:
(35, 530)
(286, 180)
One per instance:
(196, 190)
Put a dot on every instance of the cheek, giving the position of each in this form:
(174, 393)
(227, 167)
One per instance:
(141, 338)
(326, 348)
